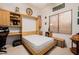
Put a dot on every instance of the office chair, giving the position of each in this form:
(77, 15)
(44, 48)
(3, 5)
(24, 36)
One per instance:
(4, 31)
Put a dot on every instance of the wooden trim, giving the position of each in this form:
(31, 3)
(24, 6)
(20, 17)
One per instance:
(43, 51)
(29, 16)
(3, 9)
(37, 26)
(29, 33)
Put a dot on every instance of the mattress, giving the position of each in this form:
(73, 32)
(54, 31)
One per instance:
(37, 42)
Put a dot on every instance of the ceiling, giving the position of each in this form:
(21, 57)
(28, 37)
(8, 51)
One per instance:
(42, 5)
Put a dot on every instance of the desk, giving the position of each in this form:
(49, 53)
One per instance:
(75, 39)
(14, 33)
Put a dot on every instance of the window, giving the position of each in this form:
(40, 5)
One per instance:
(61, 23)
(54, 23)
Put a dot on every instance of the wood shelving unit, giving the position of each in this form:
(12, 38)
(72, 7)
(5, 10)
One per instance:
(15, 26)
(15, 19)
(15, 22)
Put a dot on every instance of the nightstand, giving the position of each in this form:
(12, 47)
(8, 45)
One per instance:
(41, 33)
(62, 42)
(49, 34)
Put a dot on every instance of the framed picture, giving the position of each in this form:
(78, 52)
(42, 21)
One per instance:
(17, 9)
(29, 11)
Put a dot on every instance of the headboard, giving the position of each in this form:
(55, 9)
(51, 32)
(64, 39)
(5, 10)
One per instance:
(30, 25)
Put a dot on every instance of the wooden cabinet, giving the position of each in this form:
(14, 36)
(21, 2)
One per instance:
(15, 20)
(75, 39)
(4, 17)
(60, 42)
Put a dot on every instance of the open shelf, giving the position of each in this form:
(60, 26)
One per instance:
(15, 26)
(15, 20)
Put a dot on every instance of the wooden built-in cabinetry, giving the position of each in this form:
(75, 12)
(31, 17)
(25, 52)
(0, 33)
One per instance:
(15, 23)
(4, 17)
(11, 19)
(14, 20)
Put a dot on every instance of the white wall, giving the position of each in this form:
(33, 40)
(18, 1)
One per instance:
(22, 7)
(75, 28)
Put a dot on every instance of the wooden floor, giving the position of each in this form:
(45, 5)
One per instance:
(20, 50)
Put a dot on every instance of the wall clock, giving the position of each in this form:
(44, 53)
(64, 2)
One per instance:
(29, 11)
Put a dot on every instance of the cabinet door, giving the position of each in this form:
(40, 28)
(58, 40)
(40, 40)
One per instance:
(4, 18)
(1, 21)
(65, 22)
(54, 23)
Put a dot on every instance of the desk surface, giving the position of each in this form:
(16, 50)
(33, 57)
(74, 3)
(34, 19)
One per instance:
(14, 33)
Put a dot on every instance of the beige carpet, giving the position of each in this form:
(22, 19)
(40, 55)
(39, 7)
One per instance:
(60, 51)
(20, 50)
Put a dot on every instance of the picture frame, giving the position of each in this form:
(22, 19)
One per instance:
(29, 11)
(17, 9)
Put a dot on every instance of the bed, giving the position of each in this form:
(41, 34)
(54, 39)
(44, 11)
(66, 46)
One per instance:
(37, 44)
